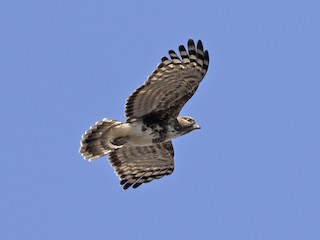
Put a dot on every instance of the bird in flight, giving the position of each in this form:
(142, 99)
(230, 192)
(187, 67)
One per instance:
(140, 150)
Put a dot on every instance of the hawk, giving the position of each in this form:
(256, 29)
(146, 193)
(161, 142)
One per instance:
(140, 149)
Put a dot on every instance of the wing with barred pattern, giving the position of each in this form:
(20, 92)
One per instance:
(171, 85)
(136, 165)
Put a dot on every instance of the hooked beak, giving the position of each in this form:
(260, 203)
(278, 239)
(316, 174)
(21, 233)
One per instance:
(196, 126)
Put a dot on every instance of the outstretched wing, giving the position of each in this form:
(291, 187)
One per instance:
(171, 85)
(136, 165)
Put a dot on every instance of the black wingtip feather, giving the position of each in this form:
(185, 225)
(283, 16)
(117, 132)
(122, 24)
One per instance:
(136, 185)
(199, 45)
(192, 51)
(206, 55)
(191, 42)
(126, 186)
(182, 48)
(206, 60)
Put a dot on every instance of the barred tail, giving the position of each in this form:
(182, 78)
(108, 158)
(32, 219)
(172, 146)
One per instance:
(95, 143)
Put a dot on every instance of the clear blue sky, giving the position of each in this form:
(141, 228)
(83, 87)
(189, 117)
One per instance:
(252, 172)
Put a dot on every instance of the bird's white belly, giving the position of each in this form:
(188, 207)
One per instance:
(134, 134)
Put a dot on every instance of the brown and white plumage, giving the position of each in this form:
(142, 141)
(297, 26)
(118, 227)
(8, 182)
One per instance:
(140, 149)
(171, 85)
(136, 165)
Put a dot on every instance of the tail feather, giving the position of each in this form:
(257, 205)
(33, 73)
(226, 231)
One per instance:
(96, 142)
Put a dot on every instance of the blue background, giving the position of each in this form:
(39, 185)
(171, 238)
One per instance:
(251, 172)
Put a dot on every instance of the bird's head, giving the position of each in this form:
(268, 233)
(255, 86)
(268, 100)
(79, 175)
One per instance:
(188, 124)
